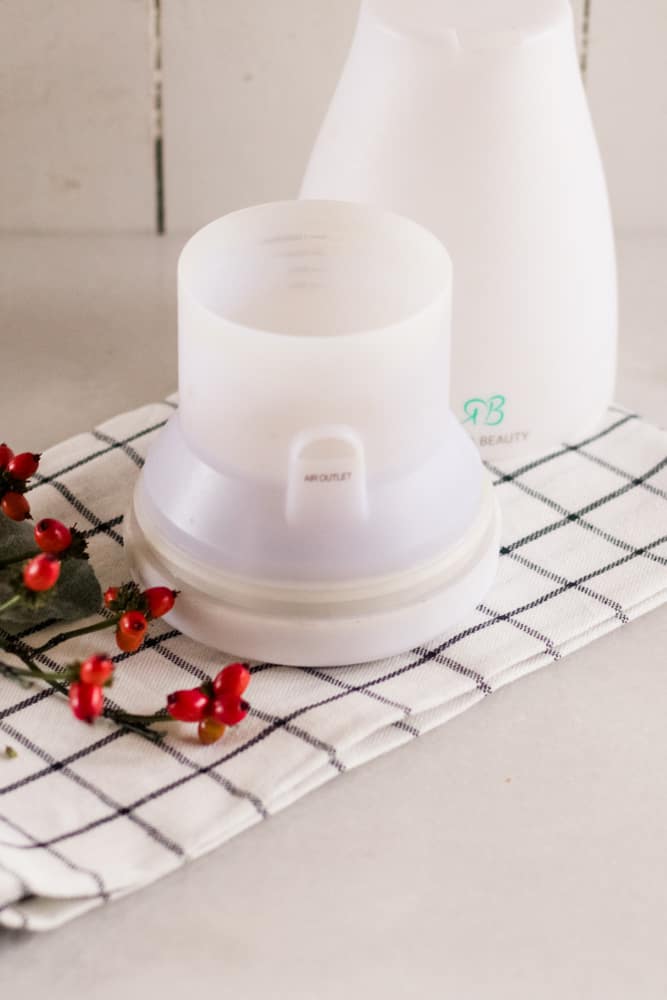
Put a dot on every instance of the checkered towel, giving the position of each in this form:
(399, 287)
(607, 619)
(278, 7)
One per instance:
(88, 814)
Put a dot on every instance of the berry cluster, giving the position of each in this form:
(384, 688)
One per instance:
(86, 697)
(56, 542)
(136, 608)
(215, 704)
(15, 471)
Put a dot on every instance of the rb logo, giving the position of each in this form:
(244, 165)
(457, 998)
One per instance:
(485, 412)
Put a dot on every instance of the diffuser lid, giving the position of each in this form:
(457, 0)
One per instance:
(295, 317)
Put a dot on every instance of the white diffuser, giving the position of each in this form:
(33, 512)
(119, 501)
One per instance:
(470, 117)
(313, 499)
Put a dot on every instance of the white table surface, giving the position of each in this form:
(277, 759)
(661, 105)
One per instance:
(518, 852)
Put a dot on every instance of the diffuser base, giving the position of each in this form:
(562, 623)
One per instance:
(324, 625)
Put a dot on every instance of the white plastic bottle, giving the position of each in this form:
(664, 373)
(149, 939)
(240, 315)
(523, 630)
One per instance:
(470, 117)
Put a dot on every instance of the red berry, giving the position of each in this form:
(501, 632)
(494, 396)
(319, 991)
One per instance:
(129, 643)
(232, 680)
(23, 466)
(86, 700)
(210, 730)
(110, 596)
(15, 506)
(159, 600)
(52, 536)
(133, 623)
(96, 669)
(5, 454)
(42, 572)
(189, 705)
(229, 710)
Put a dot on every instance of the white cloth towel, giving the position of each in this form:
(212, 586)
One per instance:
(88, 814)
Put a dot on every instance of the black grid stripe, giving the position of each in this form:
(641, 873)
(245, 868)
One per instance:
(567, 584)
(99, 453)
(633, 484)
(100, 889)
(610, 467)
(438, 656)
(338, 682)
(508, 477)
(31, 629)
(549, 645)
(312, 741)
(125, 446)
(63, 762)
(408, 728)
(33, 699)
(217, 777)
(375, 696)
(104, 527)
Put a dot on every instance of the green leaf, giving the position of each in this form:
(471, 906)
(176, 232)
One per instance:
(16, 537)
(76, 595)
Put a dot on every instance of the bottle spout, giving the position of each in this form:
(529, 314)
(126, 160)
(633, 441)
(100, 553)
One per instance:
(472, 24)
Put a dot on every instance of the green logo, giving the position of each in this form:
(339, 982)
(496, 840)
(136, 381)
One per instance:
(484, 412)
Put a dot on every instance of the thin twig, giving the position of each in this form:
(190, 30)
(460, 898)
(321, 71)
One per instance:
(10, 603)
(14, 675)
(56, 640)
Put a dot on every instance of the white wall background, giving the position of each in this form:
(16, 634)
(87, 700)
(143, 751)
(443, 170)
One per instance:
(126, 115)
